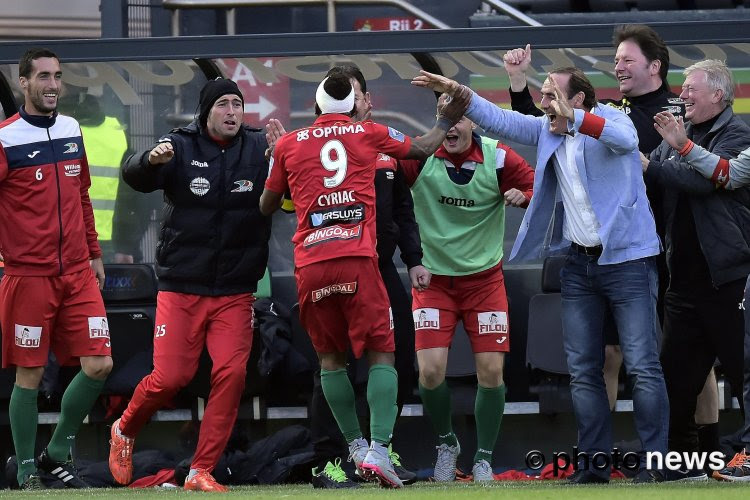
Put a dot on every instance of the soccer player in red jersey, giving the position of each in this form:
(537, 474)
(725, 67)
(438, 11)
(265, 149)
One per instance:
(329, 169)
(49, 296)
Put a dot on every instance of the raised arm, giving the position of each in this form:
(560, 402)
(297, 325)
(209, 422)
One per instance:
(616, 132)
(516, 63)
(276, 183)
(727, 173)
(449, 115)
(270, 201)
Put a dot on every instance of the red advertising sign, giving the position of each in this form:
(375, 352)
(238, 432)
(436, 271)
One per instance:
(262, 100)
(390, 24)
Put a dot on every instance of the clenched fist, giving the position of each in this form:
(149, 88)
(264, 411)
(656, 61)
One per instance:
(161, 154)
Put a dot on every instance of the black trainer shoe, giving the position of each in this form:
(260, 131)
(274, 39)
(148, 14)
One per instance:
(586, 477)
(64, 471)
(406, 476)
(332, 477)
(684, 475)
(648, 476)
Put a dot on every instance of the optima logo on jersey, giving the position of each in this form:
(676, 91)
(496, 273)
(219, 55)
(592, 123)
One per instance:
(332, 233)
(347, 215)
(331, 289)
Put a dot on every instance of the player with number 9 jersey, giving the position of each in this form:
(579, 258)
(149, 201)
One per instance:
(329, 168)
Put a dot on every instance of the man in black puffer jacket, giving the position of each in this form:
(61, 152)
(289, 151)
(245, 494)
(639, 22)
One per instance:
(212, 251)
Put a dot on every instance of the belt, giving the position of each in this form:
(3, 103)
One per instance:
(590, 251)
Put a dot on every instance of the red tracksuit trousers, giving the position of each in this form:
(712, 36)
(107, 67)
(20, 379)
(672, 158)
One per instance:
(184, 324)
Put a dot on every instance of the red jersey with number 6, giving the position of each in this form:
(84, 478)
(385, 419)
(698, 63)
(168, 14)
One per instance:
(329, 169)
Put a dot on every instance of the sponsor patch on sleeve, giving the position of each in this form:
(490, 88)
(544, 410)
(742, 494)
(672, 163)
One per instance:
(395, 134)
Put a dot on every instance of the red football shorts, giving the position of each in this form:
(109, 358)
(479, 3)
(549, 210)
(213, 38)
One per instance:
(65, 313)
(343, 301)
(478, 300)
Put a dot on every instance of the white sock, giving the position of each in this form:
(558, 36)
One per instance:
(192, 473)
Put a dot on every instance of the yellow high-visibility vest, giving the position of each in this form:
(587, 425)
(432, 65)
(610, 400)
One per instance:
(105, 146)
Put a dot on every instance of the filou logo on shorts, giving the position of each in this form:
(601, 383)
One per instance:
(98, 328)
(493, 322)
(28, 336)
(332, 289)
(426, 319)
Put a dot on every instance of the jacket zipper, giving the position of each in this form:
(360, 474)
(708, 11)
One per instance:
(220, 220)
(59, 204)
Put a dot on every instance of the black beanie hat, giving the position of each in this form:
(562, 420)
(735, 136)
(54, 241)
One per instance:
(212, 91)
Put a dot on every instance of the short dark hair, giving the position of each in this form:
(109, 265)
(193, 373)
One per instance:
(25, 64)
(337, 86)
(649, 41)
(350, 71)
(578, 82)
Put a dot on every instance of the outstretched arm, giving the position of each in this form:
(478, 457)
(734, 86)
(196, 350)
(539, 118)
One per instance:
(145, 171)
(509, 124)
(425, 145)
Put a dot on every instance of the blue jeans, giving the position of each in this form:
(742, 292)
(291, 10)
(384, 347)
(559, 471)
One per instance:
(630, 290)
(746, 372)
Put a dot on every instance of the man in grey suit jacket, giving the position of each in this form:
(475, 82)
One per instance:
(590, 201)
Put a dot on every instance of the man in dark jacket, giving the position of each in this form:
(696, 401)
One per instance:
(211, 253)
(707, 250)
(729, 174)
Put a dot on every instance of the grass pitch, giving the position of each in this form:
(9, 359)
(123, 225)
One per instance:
(428, 491)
